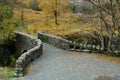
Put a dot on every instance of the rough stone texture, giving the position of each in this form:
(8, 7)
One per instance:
(69, 45)
(116, 77)
(66, 44)
(30, 48)
(55, 41)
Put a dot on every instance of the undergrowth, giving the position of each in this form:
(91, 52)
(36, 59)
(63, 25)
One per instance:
(6, 72)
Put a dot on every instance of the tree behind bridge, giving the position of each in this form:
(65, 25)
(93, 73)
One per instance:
(109, 15)
(54, 8)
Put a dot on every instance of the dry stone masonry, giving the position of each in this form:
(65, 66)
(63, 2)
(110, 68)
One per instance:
(66, 44)
(55, 41)
(29, 48)
(69, 45)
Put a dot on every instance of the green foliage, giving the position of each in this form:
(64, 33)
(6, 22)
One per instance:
(5, 13)
(7, 28)
(7, 24)
(12, 60)
(6, 72)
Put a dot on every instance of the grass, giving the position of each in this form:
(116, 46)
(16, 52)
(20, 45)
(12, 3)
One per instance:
(107, 57)
(6, 72)
(40, 21)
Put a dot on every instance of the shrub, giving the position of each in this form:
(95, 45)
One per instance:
(7, 27)
(7, 24)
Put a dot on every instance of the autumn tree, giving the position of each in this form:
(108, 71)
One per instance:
(21, 5)
(7, 24)
(109, 15)
(54, 7)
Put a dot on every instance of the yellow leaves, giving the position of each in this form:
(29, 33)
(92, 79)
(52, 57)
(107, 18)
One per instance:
(39, 21)
(29, 14)
(7, 32)
(49, 6)
(7, 27)
(46, 5)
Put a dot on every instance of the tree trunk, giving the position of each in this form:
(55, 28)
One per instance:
(101, 27)
(110, 43)
(111, 29)
(56, 17)
(22, 15)
(56, 13)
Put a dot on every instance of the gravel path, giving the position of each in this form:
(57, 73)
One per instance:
(56, 64)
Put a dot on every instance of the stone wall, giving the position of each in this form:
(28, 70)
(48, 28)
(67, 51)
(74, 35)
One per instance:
(68, 45)
(55, 41)
(29, 49)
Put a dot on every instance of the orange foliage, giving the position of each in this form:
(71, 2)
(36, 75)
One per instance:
(37, 21)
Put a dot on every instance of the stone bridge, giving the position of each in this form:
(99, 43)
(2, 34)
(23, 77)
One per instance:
(58, 64)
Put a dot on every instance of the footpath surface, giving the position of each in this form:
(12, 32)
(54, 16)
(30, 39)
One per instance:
(57, 64)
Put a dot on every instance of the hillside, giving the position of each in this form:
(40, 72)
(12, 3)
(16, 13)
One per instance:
(76, 20)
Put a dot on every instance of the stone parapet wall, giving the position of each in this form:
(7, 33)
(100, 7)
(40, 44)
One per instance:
(55, 41)
(68, 45)
(30, 48)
